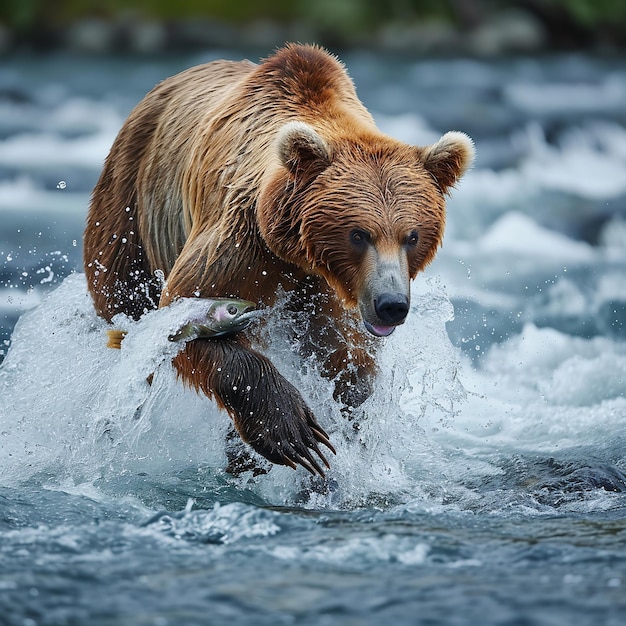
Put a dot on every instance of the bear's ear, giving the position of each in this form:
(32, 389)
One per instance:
(449, 158)
(298, 145)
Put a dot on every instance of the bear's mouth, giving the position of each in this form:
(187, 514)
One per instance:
(378, 331)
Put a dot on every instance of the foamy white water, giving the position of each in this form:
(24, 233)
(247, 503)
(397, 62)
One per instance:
(71, 405)
(72, 409)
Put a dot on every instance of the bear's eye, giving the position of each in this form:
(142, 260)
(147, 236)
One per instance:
(359, 237)
(412, 239)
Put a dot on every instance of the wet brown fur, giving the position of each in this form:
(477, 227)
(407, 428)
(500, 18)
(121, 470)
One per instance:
(196, 186)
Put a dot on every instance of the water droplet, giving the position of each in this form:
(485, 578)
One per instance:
(61, 184)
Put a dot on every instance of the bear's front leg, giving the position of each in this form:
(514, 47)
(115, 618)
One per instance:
(353, 371)
(268, 411)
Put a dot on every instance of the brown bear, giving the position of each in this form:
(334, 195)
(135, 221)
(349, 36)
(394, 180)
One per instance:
(236, 179)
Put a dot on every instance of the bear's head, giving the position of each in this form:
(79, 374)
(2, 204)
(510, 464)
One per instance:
(366, 213)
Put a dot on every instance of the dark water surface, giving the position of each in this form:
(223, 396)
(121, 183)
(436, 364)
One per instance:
(486, 484)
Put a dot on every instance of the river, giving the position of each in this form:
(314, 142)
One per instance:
(487, 482)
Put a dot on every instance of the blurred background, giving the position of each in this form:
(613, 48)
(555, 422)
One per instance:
(424, 26)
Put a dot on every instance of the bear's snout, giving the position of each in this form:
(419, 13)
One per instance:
(392, 308)
(385, 299)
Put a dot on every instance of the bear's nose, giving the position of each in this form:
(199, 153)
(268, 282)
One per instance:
(392, 308)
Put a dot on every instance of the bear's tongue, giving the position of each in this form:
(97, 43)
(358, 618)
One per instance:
(379, 331)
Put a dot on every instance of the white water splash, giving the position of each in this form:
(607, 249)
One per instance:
(71, 408)
(74, 411)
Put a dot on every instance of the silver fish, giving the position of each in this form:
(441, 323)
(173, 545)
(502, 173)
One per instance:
(222, 317)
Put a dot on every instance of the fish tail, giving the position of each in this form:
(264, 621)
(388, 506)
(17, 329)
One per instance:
(115, 338)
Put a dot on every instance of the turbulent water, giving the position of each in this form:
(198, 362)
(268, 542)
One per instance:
(485, 484)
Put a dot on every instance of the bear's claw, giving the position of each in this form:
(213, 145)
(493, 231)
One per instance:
(322, 437)
(294, 441)
(309, 463)
(292, 453)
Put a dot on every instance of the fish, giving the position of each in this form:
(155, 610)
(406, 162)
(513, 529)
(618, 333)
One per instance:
(223, 317)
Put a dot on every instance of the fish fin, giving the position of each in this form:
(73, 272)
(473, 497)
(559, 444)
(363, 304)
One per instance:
(115, 338)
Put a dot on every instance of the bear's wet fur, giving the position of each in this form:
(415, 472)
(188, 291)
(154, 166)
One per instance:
(237, 179)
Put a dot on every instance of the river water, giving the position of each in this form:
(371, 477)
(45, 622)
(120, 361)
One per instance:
(486, 484)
